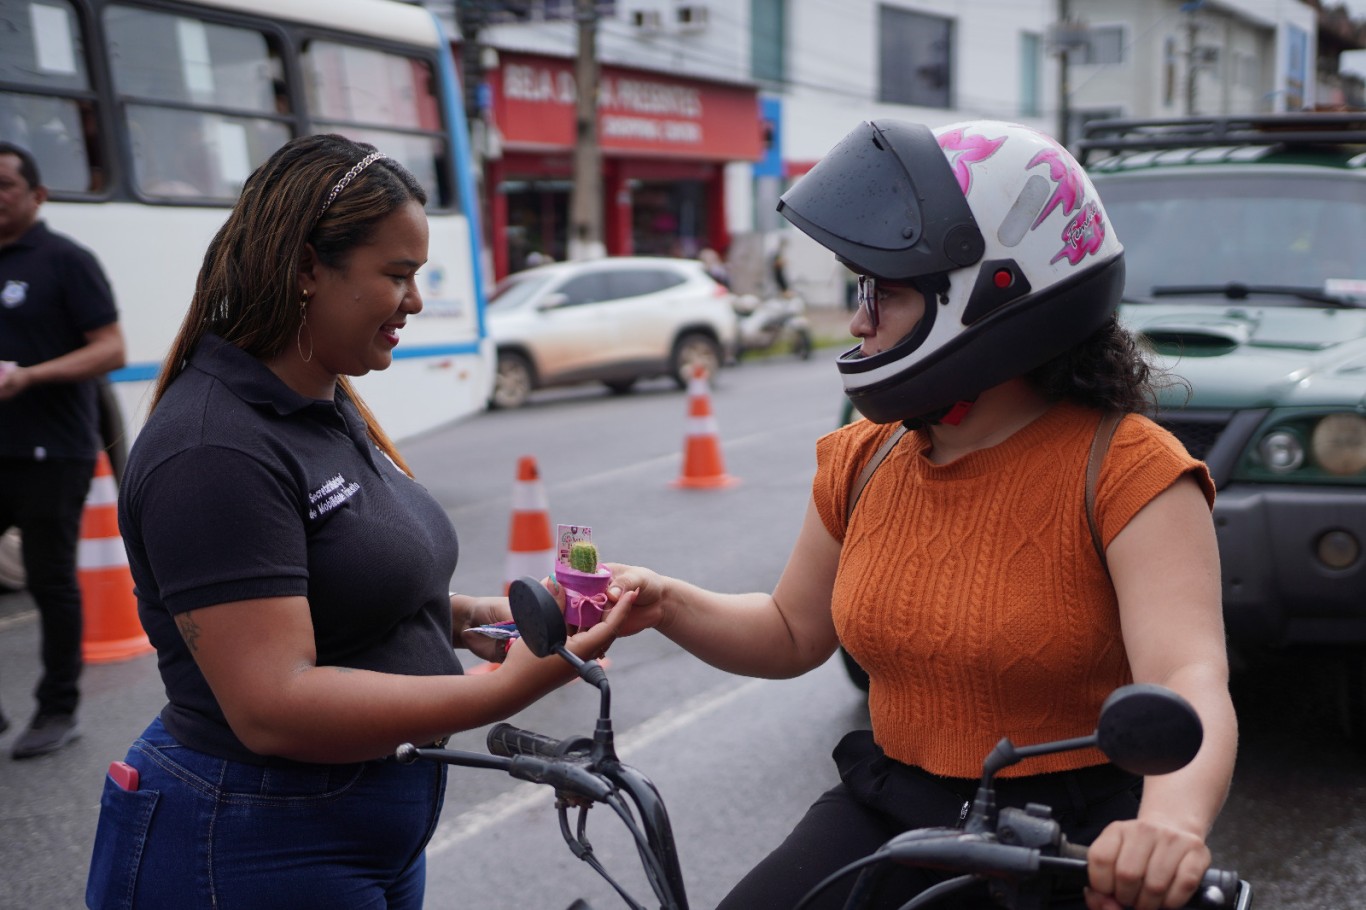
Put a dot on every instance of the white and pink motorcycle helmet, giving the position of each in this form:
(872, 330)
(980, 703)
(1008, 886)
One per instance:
(994, 222)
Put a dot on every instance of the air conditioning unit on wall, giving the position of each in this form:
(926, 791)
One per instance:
(647, 20)
(691, 17)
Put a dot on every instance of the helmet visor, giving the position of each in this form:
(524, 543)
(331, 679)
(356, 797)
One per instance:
(885, 201)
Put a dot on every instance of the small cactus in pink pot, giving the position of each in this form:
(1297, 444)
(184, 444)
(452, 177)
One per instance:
(585, 586)
(583, 557)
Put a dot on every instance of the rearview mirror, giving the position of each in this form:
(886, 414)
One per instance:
(1147, 729)
(538, 616)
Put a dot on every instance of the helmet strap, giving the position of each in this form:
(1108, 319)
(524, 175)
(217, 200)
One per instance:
(956, 413)
(952, 415)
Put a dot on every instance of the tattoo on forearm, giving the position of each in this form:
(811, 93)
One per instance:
(189, 630)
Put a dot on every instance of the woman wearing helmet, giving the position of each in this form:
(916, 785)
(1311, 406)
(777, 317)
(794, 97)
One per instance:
(987, 587)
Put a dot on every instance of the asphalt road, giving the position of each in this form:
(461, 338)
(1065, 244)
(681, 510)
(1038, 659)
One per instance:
(737, 760)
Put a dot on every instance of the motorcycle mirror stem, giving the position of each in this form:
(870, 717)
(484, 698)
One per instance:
(1143, 728)
(542, 627)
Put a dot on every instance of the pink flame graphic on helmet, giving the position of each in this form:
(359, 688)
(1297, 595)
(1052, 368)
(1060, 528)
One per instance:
(964, 151)
(1069, 191)
(1082, 236)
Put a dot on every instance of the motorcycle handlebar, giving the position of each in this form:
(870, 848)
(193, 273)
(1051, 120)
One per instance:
(960, 853)
(529, 756)
(564, 776)
(507, 740)
(1218, 888)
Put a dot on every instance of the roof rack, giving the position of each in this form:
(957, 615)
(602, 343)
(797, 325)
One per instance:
(1117, 136)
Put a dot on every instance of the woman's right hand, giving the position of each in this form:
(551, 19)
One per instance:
(648, 588)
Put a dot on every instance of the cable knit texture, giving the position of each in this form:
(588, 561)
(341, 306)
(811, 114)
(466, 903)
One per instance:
(971, 591)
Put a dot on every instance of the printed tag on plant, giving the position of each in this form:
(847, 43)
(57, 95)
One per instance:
(565, 538)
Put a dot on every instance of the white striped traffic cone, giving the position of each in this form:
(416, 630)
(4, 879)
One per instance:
(109, 611)
(531, 544)
(703, 467)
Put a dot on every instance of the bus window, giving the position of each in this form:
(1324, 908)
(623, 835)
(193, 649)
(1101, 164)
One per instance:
(41, 46)
(385, 99)
(203, 102)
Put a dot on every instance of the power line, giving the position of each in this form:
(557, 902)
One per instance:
(715, 63)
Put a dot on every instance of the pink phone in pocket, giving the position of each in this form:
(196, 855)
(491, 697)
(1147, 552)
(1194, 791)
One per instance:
(124, 774)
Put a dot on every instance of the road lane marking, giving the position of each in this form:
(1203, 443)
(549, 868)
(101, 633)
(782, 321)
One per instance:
(451, 832)
(647, 465)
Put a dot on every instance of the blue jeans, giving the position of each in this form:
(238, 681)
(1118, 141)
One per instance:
(205, 832)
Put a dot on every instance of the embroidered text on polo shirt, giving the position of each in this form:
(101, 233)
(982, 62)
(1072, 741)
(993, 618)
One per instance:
(330, 495)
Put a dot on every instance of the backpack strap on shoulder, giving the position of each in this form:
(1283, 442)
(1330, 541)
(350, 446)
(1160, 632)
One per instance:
(1100, 444)
(861, 481)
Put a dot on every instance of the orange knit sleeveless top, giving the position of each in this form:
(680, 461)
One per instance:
(971, 591)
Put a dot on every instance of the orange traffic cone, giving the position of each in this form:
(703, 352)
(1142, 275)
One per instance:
(531, 544)
(108, 608)
(703, 468)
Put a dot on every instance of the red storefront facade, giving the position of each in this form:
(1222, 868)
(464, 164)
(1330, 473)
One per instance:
(664, 144)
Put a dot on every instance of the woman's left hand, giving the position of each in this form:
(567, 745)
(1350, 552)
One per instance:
(1145, 864)
(467, 612)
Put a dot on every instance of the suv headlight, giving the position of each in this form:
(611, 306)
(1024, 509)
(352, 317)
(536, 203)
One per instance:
(1339, 444)
(1281, 451)
(1307, 447)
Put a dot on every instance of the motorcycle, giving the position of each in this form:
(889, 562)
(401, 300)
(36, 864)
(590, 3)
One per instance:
(777, 323)
(1021, 854)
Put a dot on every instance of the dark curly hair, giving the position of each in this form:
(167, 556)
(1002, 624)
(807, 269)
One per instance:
(1109, 371)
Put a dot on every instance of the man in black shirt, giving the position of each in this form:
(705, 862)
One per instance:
(58, 332)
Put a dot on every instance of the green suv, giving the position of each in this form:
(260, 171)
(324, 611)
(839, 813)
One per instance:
(1245, 246)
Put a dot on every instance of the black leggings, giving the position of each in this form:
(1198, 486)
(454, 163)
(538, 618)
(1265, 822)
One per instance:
(879, 798)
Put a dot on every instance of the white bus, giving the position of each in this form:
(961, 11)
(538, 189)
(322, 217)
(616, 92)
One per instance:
(147, 116)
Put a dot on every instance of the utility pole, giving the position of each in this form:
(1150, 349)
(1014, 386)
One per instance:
(1192, 53)
(1064, 89)
(585, 238)
(469, 15)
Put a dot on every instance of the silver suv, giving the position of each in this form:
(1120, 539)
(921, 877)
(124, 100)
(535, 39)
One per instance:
(614, 321)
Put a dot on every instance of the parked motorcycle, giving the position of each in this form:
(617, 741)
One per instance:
(776, 323)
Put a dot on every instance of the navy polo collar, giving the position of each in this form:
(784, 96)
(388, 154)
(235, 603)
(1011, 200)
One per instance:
(251, 380)
(31, 239)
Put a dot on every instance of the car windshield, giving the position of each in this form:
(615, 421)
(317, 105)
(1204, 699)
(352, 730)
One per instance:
(1211, 231)
(515, 290)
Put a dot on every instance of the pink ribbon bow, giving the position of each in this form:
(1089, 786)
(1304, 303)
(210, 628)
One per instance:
(583, 610)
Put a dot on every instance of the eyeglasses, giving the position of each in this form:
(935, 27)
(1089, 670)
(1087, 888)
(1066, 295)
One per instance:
(867, 298)
(870, 293)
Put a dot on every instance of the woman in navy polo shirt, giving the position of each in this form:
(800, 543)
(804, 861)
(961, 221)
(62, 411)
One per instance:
(291, 573)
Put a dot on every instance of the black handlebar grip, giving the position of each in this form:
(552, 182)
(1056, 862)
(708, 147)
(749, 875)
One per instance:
(1218, 889)
(508, 741)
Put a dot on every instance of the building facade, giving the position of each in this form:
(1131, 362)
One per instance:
(726, 102)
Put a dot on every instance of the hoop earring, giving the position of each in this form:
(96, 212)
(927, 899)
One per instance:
(303, 322)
